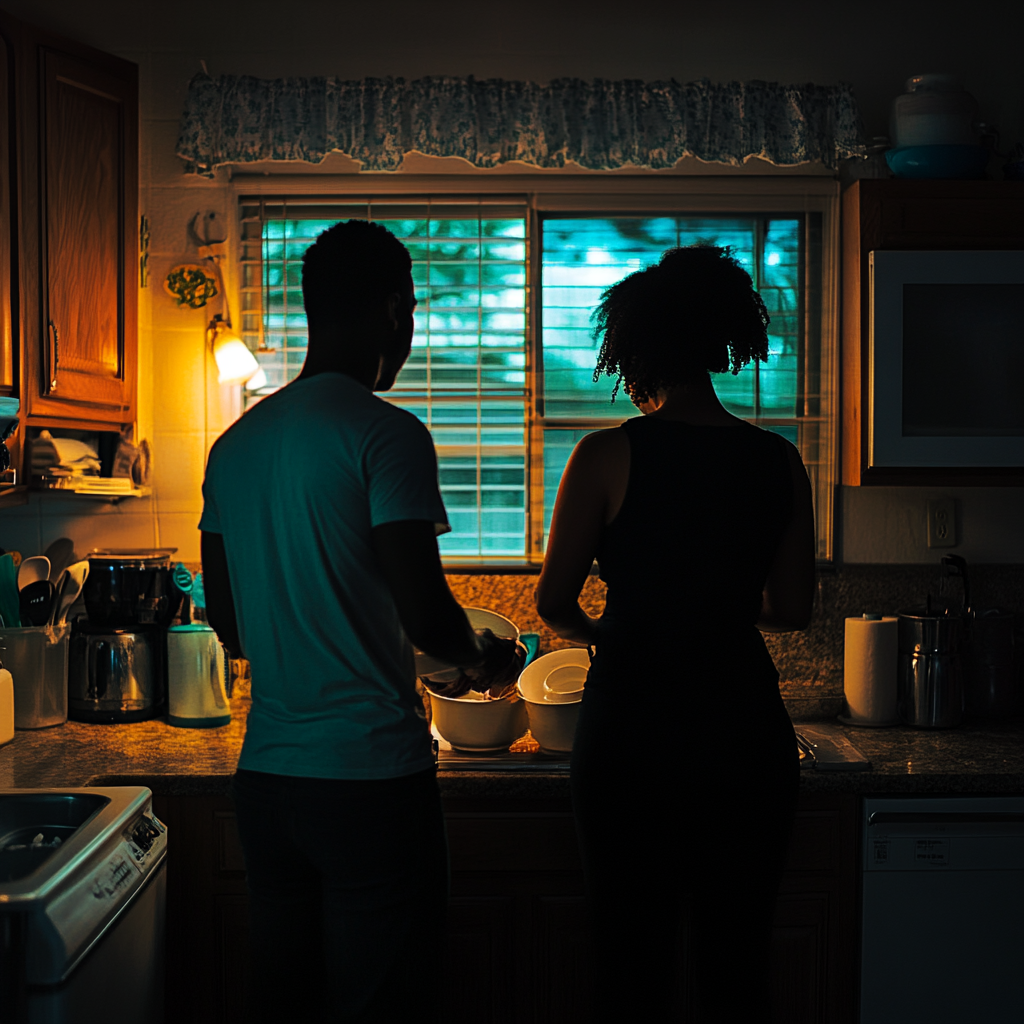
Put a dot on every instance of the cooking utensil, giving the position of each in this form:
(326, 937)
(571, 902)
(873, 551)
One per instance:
(196, 697)
(954, 565)
(552, 715)
(74, 580)
(61, 554)
(32, 570)
(476, 724)
(35, 602)
(990, 683)
(930, 677)
(182, 577)
(566, 680)
(9, 591)
(115, 675)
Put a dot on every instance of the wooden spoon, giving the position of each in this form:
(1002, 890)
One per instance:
(33, 570)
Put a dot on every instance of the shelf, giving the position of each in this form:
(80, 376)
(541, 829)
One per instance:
(90, 495)
(12, 496)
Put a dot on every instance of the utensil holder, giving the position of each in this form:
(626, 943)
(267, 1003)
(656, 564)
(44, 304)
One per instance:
(37, 658)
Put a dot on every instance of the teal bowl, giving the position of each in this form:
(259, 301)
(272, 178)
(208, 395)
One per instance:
(965, 162)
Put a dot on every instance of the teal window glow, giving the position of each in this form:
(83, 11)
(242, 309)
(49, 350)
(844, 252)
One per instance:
(582, 256)
(506, 396)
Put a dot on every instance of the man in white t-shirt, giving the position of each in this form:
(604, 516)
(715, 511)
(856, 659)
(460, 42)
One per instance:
(321, 511)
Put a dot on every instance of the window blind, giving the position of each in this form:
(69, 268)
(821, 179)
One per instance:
(505, 406)
(583, 255)
(466, 376)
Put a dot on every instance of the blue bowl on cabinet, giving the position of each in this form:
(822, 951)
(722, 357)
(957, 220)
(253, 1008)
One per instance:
(964, 162)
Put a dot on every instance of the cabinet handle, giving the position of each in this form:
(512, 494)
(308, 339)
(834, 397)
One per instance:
(56, 357)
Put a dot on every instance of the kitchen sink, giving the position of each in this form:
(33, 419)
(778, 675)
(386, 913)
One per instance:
(33, 827)
(82, 893)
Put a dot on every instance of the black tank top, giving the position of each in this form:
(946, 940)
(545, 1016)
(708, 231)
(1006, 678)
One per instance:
(687, 556)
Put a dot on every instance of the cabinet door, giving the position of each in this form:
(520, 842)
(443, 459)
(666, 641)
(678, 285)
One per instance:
(89, 182)
(6, 219)
(476, 975)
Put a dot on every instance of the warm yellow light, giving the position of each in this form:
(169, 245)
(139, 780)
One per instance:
(235, 363)
(256, 381)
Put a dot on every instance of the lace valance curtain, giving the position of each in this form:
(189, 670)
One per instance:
(600, 125)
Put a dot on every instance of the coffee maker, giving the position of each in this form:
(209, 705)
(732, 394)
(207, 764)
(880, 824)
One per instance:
(117, 666)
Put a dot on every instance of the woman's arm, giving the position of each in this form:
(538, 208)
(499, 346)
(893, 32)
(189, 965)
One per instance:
(789, 590)
(589, 497)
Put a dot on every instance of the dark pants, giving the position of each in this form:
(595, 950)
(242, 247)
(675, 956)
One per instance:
(683, 835)
(348, 886)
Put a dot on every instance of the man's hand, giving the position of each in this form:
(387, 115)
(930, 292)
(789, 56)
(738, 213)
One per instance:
(496, 675)
(503, 661)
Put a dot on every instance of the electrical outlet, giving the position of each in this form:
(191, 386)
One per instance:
(942, 523)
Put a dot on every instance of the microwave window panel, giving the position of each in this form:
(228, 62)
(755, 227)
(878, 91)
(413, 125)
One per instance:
(946, 359)
(963, 360)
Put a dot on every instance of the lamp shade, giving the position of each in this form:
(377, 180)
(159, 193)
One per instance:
(256, 381)
(235, 363)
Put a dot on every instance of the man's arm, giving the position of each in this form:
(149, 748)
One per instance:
(220, 605)
(408, 558)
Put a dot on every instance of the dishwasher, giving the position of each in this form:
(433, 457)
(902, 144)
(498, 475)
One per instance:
(82, 897)
(942, 940)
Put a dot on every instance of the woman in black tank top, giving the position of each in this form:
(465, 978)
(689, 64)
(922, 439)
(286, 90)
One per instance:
(684, 767)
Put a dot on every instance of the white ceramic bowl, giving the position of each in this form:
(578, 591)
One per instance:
(549, 689)
(479, 618)
(478, 725)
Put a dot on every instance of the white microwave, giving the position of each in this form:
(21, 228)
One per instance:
(946, 359)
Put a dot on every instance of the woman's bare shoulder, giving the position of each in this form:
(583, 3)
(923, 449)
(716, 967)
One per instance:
(602, 444)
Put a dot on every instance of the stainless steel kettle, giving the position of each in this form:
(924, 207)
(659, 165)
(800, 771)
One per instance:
(930, 674)
(196, 695)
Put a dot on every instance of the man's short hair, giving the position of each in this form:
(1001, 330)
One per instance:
(351, 268)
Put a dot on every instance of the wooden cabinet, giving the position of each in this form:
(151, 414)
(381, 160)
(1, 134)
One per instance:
(8, 235)
(72, 245)
(88, 180)
(908, 214)
(517, 903)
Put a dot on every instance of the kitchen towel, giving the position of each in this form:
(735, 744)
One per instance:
(869, 679)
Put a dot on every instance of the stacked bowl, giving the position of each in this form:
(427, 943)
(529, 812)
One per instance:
(552, 688)
(546, 699)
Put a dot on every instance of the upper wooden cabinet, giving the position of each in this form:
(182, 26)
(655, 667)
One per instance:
(88, 174)
(911, 215)
(77, 137)
(8, 281)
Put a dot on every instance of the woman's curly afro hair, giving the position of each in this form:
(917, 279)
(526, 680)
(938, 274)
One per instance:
(695, 311)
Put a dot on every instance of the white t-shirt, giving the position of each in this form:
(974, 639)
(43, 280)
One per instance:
(294, 487)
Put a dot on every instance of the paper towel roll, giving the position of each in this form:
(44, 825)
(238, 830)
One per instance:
(869, 679)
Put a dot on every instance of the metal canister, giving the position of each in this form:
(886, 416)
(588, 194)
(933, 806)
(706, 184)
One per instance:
(991, 684)
(930, 675)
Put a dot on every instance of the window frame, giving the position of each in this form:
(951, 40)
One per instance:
(547, 195)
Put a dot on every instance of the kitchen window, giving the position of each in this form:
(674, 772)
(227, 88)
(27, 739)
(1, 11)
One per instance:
(503, 355)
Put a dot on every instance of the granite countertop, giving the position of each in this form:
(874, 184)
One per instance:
(976, 758)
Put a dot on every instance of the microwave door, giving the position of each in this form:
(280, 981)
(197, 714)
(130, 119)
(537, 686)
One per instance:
(946, 359)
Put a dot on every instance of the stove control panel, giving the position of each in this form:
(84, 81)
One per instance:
(146, 840)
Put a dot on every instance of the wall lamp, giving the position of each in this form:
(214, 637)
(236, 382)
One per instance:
(235, 362)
